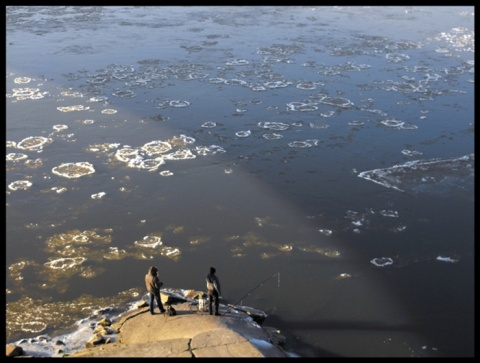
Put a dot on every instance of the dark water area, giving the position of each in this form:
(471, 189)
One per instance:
(329, 148)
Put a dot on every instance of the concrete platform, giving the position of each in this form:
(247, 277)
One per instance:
(190, 333)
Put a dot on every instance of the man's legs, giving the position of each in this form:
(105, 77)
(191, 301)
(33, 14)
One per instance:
(210, 301)
(159, 303)
(217, 303)
(151, 302)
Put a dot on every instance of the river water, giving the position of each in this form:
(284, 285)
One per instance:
(320, 158)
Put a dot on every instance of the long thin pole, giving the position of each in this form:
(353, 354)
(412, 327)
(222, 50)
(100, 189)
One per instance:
(256, 287)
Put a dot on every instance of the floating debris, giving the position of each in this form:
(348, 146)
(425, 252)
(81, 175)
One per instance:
(326, 232)
(74, 170)
(382, 261)
(98, 195)
(446, 259)
(415, 175)
(34, 143)
(20, 185)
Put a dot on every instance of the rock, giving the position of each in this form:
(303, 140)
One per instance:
(190, 333)
(14, 350)
(141, 304)
(275, 336)
(101, 330)
(194, 294)
(95, 340)
(105, 322)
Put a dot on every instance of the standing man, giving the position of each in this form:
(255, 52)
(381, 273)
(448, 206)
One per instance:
(153, 287)
(214, 291)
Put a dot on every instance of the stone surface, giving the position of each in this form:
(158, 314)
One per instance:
(190, 333)
(13, 351)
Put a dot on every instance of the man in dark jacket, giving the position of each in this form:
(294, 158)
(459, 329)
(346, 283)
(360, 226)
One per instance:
(214, 291)
(153, 285)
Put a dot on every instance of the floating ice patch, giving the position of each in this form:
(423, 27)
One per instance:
(156, 147)
(408, 126)
(337, 101)
(149, 164)
(276, 126)
(59, 190)
(356, 123)
(212, 149)
(209, 125)
(396, 57)
(16, 156)
(73, 170)
(98, 99)
(149, 242)
(65, 263)
(389, 213)
(124, 93)
(34, 143)
(446, 259)
(20, 185)
(179, 103)
(326, 232)
(22, 80)
(71, 94)
(307, 108)
(246, 133)
(303, 144)
(60, 127)
(343, 275)
(272, 136)
(182, 140)
(97, 80)
(27, 93)
(411, 152)
(258, 88)
(237, 62)
(327, 114)
(127, 154)
(217, 80)
(98, 195)
(276, 84)
(166, 173)
(235, 82)
(382, 261)
(73, 108)
(318, 126)
(33, 326)
(196, 75)
(307, 85)
(436, 176)
(300, 106)
(181, 155)
(271, 108)
(171, 252)
(392, 123)
(109, 111)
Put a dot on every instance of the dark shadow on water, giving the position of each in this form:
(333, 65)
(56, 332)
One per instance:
(343, 325)
(295, 345)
